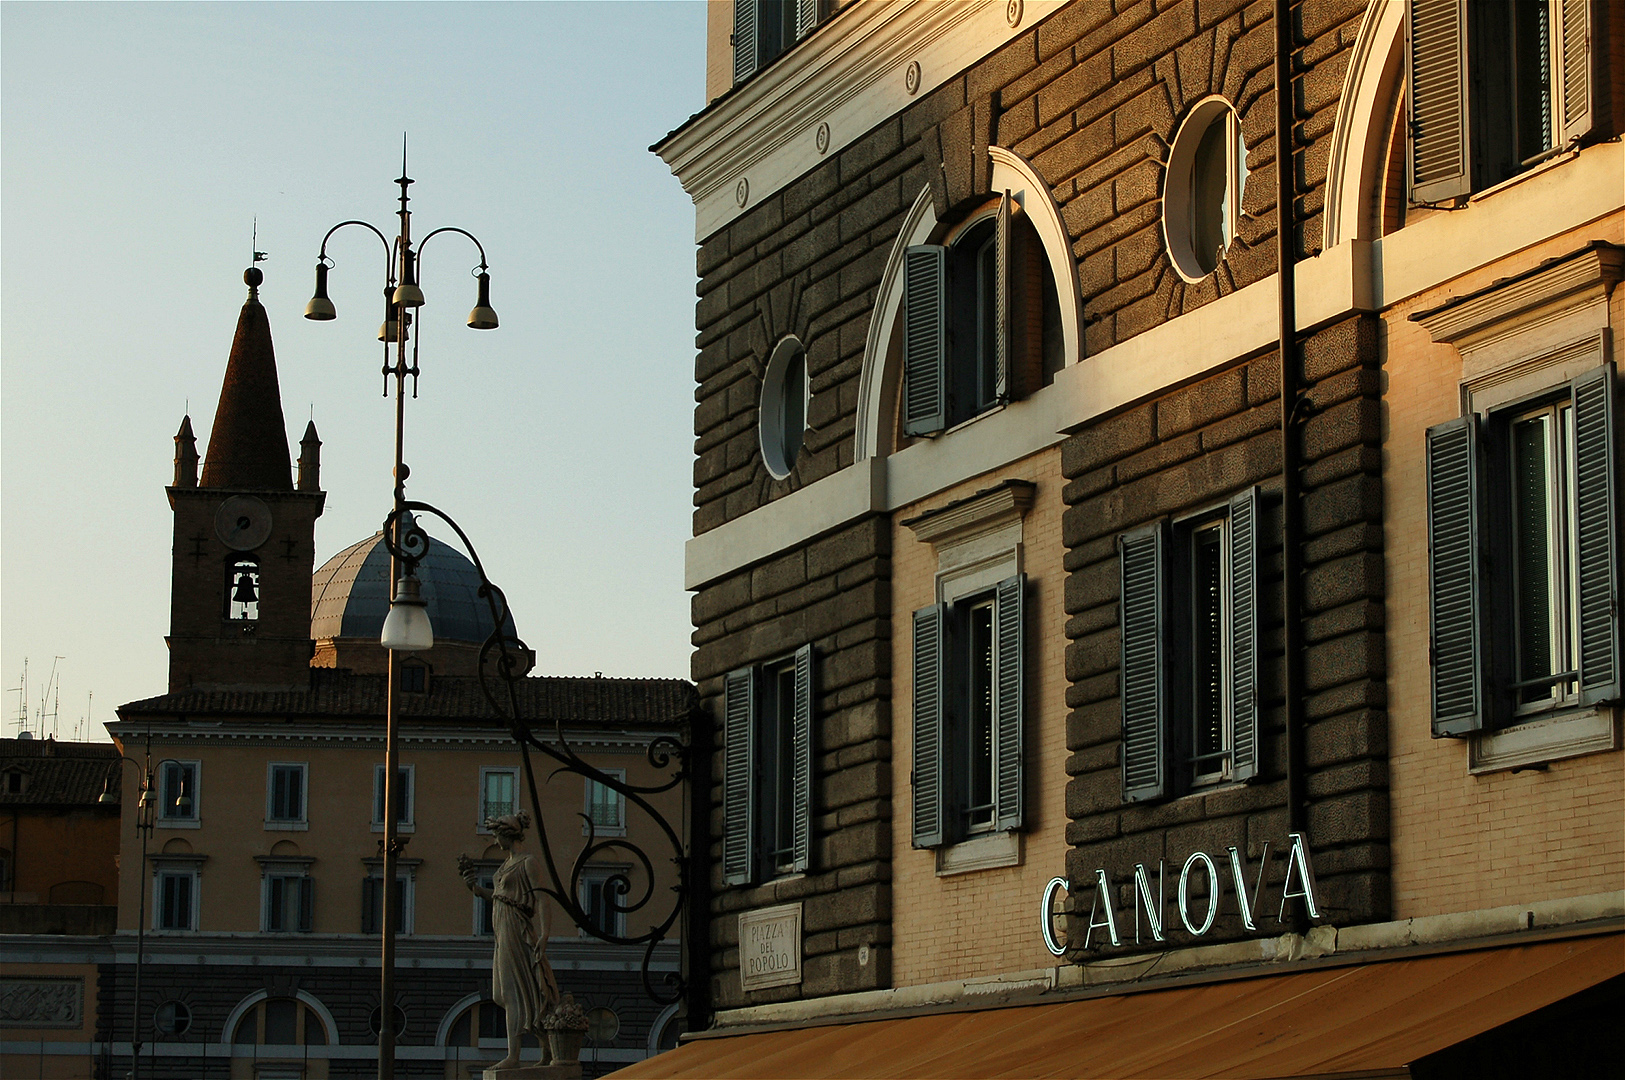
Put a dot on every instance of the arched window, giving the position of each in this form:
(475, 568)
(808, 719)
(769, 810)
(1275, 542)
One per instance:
(280, 1021)
(483, 1025)
(243, 588)
(981, 319)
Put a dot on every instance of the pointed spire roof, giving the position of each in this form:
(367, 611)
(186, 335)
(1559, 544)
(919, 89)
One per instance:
(248, 444)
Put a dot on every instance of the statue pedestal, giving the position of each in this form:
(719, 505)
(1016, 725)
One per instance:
(572, 1071)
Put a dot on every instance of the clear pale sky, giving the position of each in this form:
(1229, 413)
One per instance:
(140, 142)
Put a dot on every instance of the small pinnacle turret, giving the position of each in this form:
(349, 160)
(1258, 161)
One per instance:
(310, 460)
(185, 455)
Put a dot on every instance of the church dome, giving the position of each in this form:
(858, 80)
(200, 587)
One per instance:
(349, 595)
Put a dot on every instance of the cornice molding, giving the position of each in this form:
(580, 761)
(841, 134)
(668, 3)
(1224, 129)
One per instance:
(982, 512)
(850, 75)
(1570, 281)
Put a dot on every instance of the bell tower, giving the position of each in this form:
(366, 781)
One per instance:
(244, 550)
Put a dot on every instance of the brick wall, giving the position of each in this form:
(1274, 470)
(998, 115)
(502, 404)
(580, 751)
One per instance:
(1462, 842)
(1186, 450)
(986, 921)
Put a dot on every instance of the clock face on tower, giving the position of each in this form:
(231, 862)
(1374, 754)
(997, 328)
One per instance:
(243, 523)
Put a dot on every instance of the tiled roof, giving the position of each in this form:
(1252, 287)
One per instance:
(57, 773)
(542, 699)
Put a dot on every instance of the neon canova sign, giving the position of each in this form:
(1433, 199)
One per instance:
(1197, 914)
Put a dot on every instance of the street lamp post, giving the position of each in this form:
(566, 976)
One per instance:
(146, 812)
(406, 629)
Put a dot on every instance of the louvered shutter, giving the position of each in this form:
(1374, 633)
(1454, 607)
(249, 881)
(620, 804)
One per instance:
(1597, 535)
(1575, 51)
(803, 758)
(1455, 593)
(746, 33)
(371, 905)
(738, 775)
(1001, 302)
(925, 339)
(1008, 779)
(1436, 40)
(928, 711)
(1243, 559)
(307, 903)
(808, 13)
(1144, 770)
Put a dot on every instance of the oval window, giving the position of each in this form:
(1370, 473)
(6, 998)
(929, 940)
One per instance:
(782, 420)
(1206, 178)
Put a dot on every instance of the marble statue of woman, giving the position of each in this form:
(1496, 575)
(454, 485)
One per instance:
(521, 978)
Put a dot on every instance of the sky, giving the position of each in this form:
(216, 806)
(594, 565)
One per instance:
(139, 144)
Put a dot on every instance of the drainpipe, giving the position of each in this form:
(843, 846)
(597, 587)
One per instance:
(1291, 496)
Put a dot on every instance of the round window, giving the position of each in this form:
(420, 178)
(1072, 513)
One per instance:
(1207, 175)
(782, 420)
(602, 1025)
(172, 1018)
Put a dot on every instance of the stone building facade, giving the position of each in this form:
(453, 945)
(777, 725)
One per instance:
(1010, 566)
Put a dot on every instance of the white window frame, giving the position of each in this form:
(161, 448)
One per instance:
(600, 873)
(409, 824)
(406, 880)
(484, 873)
(290, 870)
(189, 871)
(168, 820)
(977, 546)
(277, 824)
(480, 811)
(1179, 186)
(587, 787)
(1518, 341)
(1186, 529)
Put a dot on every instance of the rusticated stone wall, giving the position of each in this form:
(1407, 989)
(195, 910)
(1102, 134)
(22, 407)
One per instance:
(1192, 448)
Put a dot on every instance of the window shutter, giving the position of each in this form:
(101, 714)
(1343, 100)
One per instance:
(1597, 535)
(928, 771)
(1436, 37)
(803, 758)
(1455, 592)
(370, 905)
(739, 775)
(925, 339)
(744, 39)
(1574, 42)
(808, 14)
(1141, 553)
(307, 902)
(1243, 557)
(1001, 301)
(1009, 784)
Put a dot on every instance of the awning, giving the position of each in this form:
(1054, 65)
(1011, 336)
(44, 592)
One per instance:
(1368, 1019)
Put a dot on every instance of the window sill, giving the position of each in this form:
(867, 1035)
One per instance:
(180, 823)
(1563, 157)
(404, 827)
(1535, 742)
(988, 852)
(287, 826)
(605, 831)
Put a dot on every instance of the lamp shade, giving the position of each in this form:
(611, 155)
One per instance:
(320, 307)
(407, 293)
(483, 317)
(406, 628)
(390, 330)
